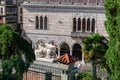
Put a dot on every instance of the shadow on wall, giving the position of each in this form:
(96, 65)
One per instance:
(23, 34)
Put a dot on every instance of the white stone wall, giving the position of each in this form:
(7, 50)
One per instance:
(60, 32)
(54, 27)
(3, 10)
(100, 24)
(60, 23)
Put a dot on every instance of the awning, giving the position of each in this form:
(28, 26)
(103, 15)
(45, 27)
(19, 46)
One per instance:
(66, 59)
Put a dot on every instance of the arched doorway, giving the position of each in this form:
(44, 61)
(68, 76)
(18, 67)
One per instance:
(76, 51)
(64, 49)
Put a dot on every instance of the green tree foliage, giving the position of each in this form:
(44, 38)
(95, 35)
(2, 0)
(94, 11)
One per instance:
(95, 48)
(85, 76)
(113, 28)
(12, 48)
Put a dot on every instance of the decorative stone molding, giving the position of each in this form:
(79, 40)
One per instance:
(63, 6)
(80, 34)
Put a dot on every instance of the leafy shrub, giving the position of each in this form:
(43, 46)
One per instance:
(85, 76)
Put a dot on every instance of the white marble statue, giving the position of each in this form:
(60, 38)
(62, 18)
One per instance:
(46, 51)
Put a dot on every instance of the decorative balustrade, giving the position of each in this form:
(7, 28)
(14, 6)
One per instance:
(81, 34)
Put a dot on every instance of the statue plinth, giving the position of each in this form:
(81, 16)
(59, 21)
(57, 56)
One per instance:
(52, 64)
(45, 59)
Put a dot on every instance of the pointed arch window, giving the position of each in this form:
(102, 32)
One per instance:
(37, 22)
(45, 23)
(83, 25)
(74, 24)
(79, 24)
(41, 22)
(88, 24)
(93, 25)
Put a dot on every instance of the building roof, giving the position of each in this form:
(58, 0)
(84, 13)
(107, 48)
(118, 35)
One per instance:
(66, 59)
(81, 5)
(98, 2)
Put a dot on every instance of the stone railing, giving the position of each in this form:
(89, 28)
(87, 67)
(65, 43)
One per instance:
(81, 34)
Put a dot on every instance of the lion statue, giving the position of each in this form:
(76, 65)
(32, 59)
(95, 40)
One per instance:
(45, 51)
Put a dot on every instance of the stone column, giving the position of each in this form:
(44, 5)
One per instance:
(81, 24)
(90, 25)
(96, 28)
(43, 22)
(39, 22)
(85, 24)
(76, 24)
(71, 51)
(83, 61)
(58, 52)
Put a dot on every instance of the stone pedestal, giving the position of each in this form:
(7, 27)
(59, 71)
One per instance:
(45, 59)
(51, 64)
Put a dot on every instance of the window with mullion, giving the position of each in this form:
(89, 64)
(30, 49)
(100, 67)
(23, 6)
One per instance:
(41, 22)
(74, 24)
(93, 25)
(79, 24)
(88, 24)
(37, 22)
(45, 23)
(83, 25)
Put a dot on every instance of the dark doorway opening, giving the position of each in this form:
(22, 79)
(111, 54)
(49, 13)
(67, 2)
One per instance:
(77, 51)
(64, 49)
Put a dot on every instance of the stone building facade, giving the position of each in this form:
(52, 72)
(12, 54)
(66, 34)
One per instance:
(2, 14)
(11, 13)
(63, 23)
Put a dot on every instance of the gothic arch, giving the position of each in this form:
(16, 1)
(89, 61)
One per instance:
(64, 48)
(77, 51)
(53, 42)
(41, 41)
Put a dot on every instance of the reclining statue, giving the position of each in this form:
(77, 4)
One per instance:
(45, 51)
